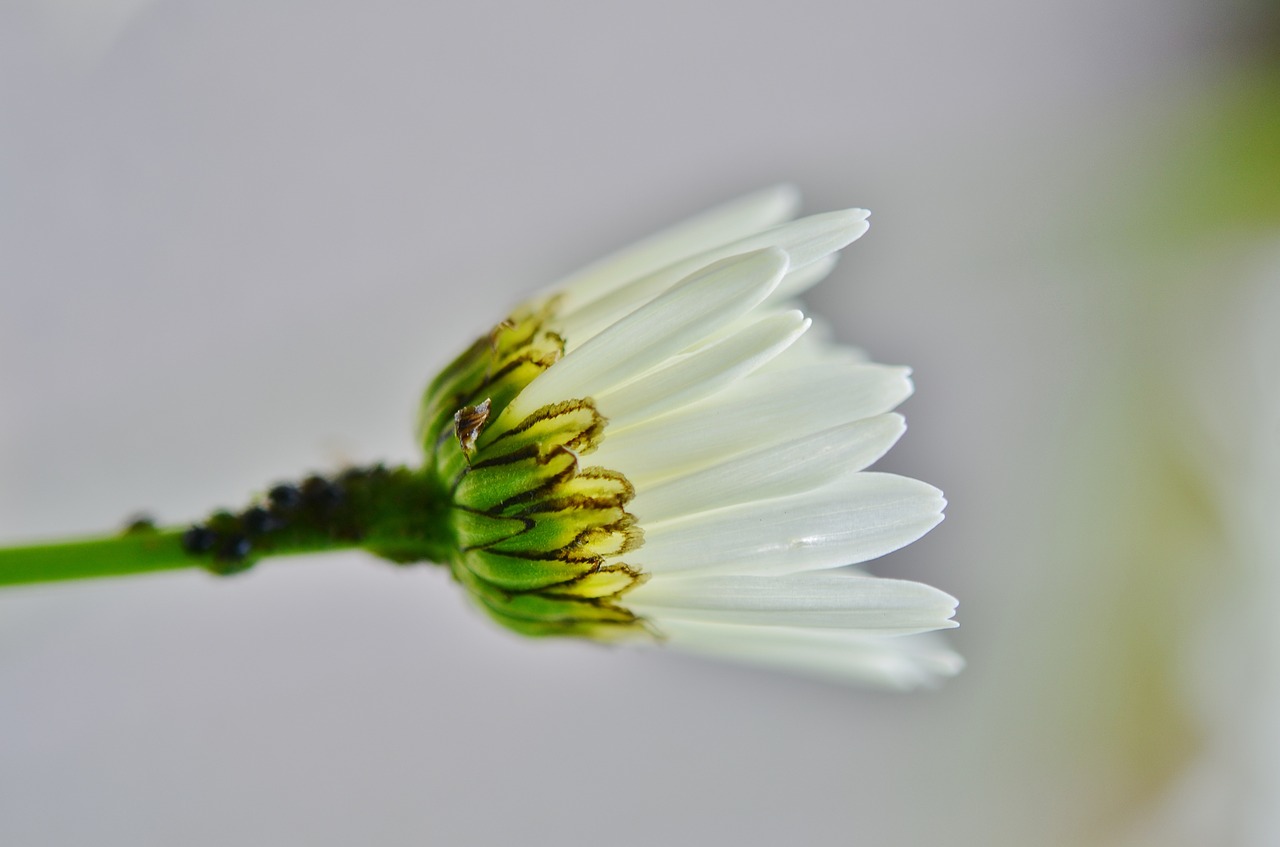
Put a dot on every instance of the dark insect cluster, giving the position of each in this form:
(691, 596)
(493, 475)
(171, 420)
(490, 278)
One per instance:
(139, 524)
(292, 518)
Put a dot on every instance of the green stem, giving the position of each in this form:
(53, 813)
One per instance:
(395, 513)
(136, 552)
(116, 555)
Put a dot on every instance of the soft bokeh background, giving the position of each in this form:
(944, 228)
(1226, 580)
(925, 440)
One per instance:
(236, 238)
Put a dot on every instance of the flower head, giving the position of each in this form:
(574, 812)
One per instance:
(663, 447)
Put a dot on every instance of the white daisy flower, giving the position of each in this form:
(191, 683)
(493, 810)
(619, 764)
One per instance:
(662, 447)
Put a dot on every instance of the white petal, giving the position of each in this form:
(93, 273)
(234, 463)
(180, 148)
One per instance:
(851, 520)
(713, 298)
(805, 241)
(724, 224)
(692, 377)
(905, 662)
(761, 410)
(866, 603)
(798, 281)
(818, 346)
(788, 468)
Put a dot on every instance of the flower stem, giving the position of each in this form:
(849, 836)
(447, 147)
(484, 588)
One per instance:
(395, 513)
(133, 552)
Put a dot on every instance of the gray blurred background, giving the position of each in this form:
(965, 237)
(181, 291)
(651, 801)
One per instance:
(237, 238)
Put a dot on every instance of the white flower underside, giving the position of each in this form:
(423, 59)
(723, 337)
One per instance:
(746, 436)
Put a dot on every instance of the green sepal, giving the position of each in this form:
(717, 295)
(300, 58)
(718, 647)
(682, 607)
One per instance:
(541, 606)
(478, 529)
(572, 535)
(543, 613)
(610, 581)
(572, 424)
(494, 486)
(498, 365)
(503, 387)
(513, 573)
(591, 487)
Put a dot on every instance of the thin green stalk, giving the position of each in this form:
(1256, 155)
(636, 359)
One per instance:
(396, 513)
(141, 551)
